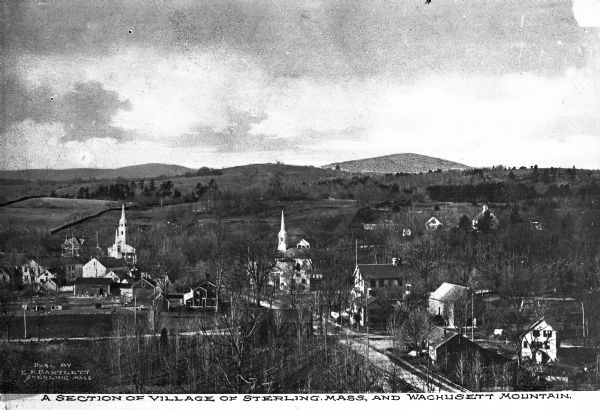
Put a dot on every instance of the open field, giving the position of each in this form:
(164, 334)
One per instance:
(47, 213)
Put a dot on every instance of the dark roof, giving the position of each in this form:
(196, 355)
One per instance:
(203, 284)
(93, 281)
(122, 285)
(448, 292)
(438, 336)
(387, 271)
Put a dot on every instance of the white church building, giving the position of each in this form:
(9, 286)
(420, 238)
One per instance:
(120, 249)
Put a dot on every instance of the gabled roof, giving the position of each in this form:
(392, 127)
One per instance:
(73, 241)
(449, 292)
(535, 324)
(438, 336)
(203, 284)
(93, 281)
(151, 282)
(433, 221)
(380, 271)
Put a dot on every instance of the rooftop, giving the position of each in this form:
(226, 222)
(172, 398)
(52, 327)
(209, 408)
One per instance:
(93, 281)
(380, 271)
(448, 292)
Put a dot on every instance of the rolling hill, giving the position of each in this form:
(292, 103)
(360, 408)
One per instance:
(403, 163)
(130, 172)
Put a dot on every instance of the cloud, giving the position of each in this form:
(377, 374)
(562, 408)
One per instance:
(85, 110)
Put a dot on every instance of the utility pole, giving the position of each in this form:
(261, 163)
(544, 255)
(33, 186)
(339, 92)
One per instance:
(472, 316)
(24, 324)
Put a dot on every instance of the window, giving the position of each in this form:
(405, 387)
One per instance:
(381, 283)
(536, 333)
(525, 344)
(546, 345)
(373, 283)
(304, 281)
(547, 333)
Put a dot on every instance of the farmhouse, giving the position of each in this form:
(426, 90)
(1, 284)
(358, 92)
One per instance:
(539, 342)
(433, 224)
(92, 287)
(447, 301)
(120, 249)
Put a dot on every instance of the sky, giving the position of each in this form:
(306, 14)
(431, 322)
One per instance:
(230, 82)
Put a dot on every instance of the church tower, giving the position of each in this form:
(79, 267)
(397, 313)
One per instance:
(122, 226)
(282, 246)
(120, 249)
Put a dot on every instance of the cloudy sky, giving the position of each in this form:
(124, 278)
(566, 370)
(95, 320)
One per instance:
(226, 82)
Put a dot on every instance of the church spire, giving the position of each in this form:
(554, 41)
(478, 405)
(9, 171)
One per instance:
(122, 214)
(282, 245)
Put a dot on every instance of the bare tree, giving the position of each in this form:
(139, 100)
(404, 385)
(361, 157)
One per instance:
(415, 327)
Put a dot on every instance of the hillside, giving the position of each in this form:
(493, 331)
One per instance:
(403, 163)
(130, 172)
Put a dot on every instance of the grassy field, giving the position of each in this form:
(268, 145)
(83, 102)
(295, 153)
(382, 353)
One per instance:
(47, 213)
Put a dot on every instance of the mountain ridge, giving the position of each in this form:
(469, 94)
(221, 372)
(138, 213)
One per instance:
(150, 170)
(403, 162)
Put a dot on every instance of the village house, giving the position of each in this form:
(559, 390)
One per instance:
(445, 348)
(433, 224)
(32, 272)
(121, 249)
(122, 289)
(447, 301)
(539, 342)
(99, 287)
(73, 269)
(99, 268)
(144, 291)
(71, 247)
(119, 274)
(202, 294)
(370, 279)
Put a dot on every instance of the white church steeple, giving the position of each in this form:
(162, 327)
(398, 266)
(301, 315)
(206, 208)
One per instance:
(120, 249)
(282, 245)
(122, 226)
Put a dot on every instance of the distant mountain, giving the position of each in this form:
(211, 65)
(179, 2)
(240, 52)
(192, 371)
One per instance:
(131, 172)
(404, 163)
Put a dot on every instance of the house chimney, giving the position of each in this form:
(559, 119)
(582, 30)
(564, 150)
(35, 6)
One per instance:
(394, 261)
